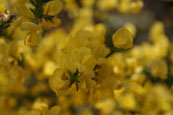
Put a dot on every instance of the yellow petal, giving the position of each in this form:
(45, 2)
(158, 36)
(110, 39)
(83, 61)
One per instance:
(23, 10)
(89, 61)
(32, 39)
(131, 27)
(53, 7)
(29, 26)
(122, 39)
(57, 84)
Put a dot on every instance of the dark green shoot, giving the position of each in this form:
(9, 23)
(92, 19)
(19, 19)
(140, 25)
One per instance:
(73, 78)
(38, 10)
(5, 24)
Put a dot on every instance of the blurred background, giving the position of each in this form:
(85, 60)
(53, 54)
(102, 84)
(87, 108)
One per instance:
(153, 10)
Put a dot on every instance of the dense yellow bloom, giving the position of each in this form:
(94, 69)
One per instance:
(107, 4)
(122, 39)
(157, 100)
(73, 68)
(128, 102)
(132, 6)
(159, 69)
(106, 106)
(30, 21)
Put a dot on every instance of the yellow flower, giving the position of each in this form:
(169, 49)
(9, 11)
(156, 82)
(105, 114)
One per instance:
(107, 4)
(49, 68)
(123, 6)
(53, 7)
(128, 101)
(57, 83)
(29, 26)
(156, 30)
(32, 38)
(122, 39)
(106, 106)
(159, 68)
(20, 7)
(136, 7)
(131, 27)
(89, 61)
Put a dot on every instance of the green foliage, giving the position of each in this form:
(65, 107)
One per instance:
(73, 77)
(38, 10)
(5, 24)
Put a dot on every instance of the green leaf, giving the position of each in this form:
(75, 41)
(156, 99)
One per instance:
(6, 11)
(33, 11)
(5, 24)
(73, 78)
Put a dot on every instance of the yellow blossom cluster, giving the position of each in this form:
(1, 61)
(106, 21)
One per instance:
(51, 69)
(123, 6)
(36, 16)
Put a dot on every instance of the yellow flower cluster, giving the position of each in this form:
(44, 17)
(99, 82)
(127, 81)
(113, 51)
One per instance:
(123, 6)
(36, 16)
(70, 69)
